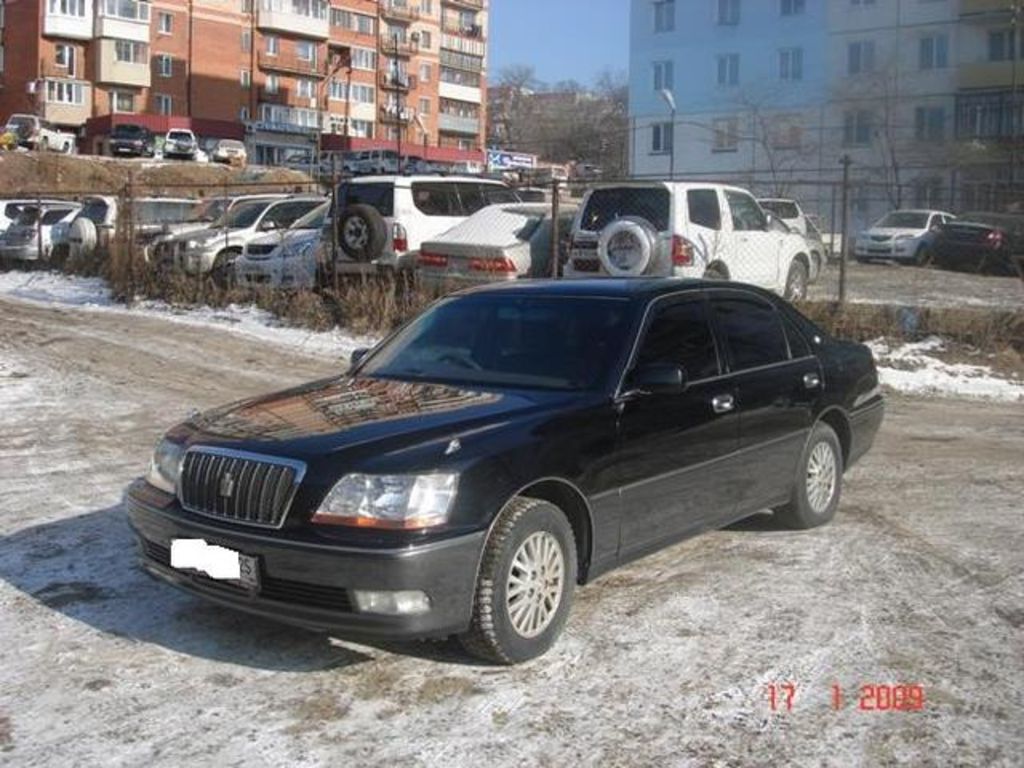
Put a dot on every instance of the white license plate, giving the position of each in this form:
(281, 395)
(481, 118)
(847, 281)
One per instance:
(215, 561)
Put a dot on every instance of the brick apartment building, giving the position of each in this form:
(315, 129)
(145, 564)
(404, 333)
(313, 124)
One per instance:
(267, 71)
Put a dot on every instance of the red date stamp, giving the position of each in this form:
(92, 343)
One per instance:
(868, 697)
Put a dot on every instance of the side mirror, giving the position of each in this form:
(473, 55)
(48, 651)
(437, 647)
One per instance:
(357, 356)
(268, 226)
(659, 379)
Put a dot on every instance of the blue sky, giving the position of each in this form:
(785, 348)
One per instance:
(560, 39)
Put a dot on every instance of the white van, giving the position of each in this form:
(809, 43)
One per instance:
(384, 219)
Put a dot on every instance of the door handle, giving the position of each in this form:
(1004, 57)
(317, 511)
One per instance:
(811, 381)
(723, 403)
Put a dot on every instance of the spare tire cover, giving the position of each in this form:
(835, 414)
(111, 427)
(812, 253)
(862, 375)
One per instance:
(82, 237)
(362, 232)
(626, 247)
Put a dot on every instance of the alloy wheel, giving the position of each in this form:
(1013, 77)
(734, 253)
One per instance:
(535, 581)
(821, 477)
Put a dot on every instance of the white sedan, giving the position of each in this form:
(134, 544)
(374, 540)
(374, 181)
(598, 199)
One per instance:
(500, 242)
(900, 236)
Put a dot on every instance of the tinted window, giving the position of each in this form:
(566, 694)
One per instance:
(494, 194)
(380, 196)
(286, 214)
(11, 210)
(95, 211)
(126, 131)
(747, 215)
(904, 220)
(681, 333)
(505, 340)
(472, 198)
(53, 215)
(244, 215)
(704, 209)
(751, 331)
(798, 345)
(608, 204)
(437, 199)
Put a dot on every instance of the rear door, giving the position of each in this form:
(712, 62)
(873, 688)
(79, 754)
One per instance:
(754, 250)
(778, 384)
(675, 457)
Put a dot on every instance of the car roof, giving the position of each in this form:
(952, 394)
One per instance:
(424, 177)
(636, 288)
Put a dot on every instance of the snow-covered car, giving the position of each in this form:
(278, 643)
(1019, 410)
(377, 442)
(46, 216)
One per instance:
(674, 229)
(180, 143)
(214, 250)
(30, 237)
(792, 215)
(286, 258)
(499, 242)
(900, 236)
(230, 151)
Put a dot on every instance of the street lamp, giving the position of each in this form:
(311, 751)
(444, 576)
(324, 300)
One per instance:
(670, 100)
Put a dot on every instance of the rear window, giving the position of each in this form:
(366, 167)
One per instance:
(606, 205)
(11, 210)
(441, 199)
(703, 208)
(95, 211)
(53, 215)
(380, 196)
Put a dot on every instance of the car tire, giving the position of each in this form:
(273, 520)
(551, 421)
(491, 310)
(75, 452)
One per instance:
(796, 282)
(629, 229)
(923, 257)
(818, 483)
(362, 232)
(511, 628)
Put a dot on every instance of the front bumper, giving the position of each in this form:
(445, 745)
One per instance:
(24, 252)
(310, 584)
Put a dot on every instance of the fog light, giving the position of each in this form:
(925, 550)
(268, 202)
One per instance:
(392, 603)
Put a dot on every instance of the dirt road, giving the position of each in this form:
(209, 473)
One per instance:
(665, 662)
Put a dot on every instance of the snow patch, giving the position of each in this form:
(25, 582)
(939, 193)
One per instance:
(913, 369)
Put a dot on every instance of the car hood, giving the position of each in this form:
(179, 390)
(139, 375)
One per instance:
(323, 417)
(892, 232)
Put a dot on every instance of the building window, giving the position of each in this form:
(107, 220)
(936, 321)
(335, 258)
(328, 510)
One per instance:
(424, 105)
(792, 7)
(459, 77)
(272, 84)
(246, 40)
(65, 92)
(67, 7)
(364, 58)
(64, 56)
(243, 114)
(165, 24)
(306, 88)
(729, 69)
(787, 132)
(661, 138)
(728, 12)
(246, 6)
(929, 123)
(860, 57)
(933, 52)
(163, 103)
(425, 40)
(663, 78)
(130, 52)
(427, 7)
(426, 73)
(360, 128)
(664, 15)
(725, 131)
(305, 50)
(337, 90)
(165, 65)
(791, 64)
(132, 10)
(245, 78)
(857, 127)
(273, 45)
(862, 2)
(1001, 45)
(362, 94)
(122, 101)
(359, 23)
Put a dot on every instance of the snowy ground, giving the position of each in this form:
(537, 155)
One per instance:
(664, 662)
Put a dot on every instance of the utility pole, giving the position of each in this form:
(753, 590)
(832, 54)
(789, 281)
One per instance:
(1014, 105)
(845, 162)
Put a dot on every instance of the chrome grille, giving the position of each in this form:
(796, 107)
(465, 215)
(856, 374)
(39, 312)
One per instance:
(241, 487)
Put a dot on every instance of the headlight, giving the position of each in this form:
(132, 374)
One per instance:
(165, 466)
(298, 251)
(389, 501)
(903, 237)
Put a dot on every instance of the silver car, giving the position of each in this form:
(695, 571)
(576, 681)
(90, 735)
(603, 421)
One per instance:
(30, 238)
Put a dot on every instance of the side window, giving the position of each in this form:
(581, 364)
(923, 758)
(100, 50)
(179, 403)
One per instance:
(798, 346)
(704, 209)
(433, 199)
(681, 333)
(496, 194)
(472, 198)
(747, 215)
(751, 332)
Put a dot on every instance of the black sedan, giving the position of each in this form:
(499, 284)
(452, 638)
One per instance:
(983, 243)
(506, 445)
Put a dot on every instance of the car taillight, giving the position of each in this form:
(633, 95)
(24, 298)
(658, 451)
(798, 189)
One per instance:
(399, 239)
(428, 259)
(994, 238)
(682, 252)
(499, 264)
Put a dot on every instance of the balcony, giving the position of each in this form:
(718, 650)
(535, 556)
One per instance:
(390, 82)
(989, 74)
(291, 64)
(111, 70)
(123, 19)
(66, 25)
(472, 31)
(469, 126)
(476, 5)
(460, 92)
(464, 45)
(984, 10)
(66, 102)
(391, 47)
(402, 12)
(390, 113)
(307, 18)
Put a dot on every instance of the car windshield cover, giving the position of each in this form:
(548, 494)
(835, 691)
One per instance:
(379, 196)
(904, 220)
(244, 215)
(781, 208)
(503, 340)
(607, 205)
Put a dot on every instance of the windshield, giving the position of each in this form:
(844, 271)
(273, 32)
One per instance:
(904, 220)
(179, 136)
(781, 208)
(127, 131)
(211, 210)
(314, 219)
(503, 340)
(244, 215)
(22, 126)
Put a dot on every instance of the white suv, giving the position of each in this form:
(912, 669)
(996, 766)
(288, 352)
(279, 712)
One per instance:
(385, 218)
(670, 229)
